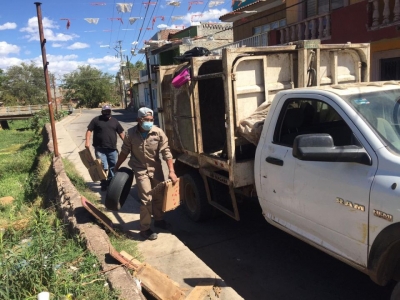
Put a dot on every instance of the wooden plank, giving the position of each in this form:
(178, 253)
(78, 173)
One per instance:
(131, 264)
(98, 215)
(158, 284)
(204, 290)
(130, 258)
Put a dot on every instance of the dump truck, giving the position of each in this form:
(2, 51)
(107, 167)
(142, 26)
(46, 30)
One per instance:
(301, 128)
(202, 118)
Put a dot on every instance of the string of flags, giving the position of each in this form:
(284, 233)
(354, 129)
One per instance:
(174, 3)
(117, 19)
(215, 3)
(193, 3)
(174, 18)
(124, 7)
(68, 22)
(195, 16)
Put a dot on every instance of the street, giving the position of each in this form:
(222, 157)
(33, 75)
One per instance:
(254, 258)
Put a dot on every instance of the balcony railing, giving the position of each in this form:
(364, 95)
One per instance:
(318, 27)
(384, 13)
(259, 40)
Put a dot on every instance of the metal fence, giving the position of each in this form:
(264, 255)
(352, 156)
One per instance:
(30, 109)
(259, 40)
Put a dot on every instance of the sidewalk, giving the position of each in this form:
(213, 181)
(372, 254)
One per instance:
(168, 254)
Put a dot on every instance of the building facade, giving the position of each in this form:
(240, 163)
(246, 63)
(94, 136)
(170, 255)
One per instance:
(332, 21)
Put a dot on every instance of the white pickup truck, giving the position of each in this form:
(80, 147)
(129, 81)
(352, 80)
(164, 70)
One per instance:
(326, 162)
(327, 170)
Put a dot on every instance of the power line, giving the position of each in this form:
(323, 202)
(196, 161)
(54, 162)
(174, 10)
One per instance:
(112, 23)
(150, 19)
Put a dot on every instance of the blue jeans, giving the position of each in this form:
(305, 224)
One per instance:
(108, 159)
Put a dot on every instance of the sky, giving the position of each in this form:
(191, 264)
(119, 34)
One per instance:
(87, 43)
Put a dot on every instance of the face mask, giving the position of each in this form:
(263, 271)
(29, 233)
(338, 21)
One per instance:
(147, 126)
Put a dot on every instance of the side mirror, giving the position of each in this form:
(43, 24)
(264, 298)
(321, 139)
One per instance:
(320, 147)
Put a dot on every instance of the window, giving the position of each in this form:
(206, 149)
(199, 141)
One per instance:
(390, 68)
(316, 7)
(304, 116)
(257, 30)
(266, 28)
(381, 110)
(269, 26)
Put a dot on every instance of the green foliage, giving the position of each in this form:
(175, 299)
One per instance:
(43, 258)
(42, 117)
(36, 252)
(23, 85)
(90, 86)
(78, 181)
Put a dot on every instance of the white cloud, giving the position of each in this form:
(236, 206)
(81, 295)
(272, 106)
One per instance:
(162, 26)
(6, 49)
(60, 64)
(6, 62)
(32, 31)
(8, 25)
(78, 45)
(57, 45)
(106, 60)
(27, 52)
(210, 15)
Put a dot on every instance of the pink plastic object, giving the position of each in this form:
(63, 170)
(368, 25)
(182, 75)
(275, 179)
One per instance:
(181, 78)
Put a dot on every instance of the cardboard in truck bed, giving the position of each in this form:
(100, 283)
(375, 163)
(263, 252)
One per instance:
(94, 166)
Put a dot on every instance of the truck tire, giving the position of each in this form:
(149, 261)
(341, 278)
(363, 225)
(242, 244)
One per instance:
(119, 189)
(195, 198)
(396, 292)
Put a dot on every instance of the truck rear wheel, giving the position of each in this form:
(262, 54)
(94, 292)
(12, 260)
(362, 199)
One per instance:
(195, 198)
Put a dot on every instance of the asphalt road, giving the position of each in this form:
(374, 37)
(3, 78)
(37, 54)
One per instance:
(256, 259)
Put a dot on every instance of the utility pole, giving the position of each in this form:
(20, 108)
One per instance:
(46, 77)
(130, 80)
(121, 65)
(149, 77)
(54, 90)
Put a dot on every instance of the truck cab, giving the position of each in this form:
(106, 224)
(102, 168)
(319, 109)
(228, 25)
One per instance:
(327, 171)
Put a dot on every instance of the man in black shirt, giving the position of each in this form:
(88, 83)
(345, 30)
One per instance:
(105, 129)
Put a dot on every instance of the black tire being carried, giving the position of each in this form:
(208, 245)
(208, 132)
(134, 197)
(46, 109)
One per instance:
(119, 189)
(195, 198)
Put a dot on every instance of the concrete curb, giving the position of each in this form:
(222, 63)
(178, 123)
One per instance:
(167, 254)
(75, 216)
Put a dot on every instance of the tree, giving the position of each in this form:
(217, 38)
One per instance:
(25, 84)
(134, 69)
(90, 86)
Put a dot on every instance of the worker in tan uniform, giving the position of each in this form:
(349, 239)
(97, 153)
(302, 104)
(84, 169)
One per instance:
(145, 142)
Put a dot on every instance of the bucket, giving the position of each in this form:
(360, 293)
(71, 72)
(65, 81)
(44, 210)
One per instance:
(181, 78)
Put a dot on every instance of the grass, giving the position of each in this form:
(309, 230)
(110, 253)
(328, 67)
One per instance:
(119, 243)
(37, 254)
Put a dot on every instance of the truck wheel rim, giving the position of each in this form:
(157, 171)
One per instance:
(190, 198)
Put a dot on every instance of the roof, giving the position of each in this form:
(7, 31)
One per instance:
(259, 5)
(353, 88)
(164, 34)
